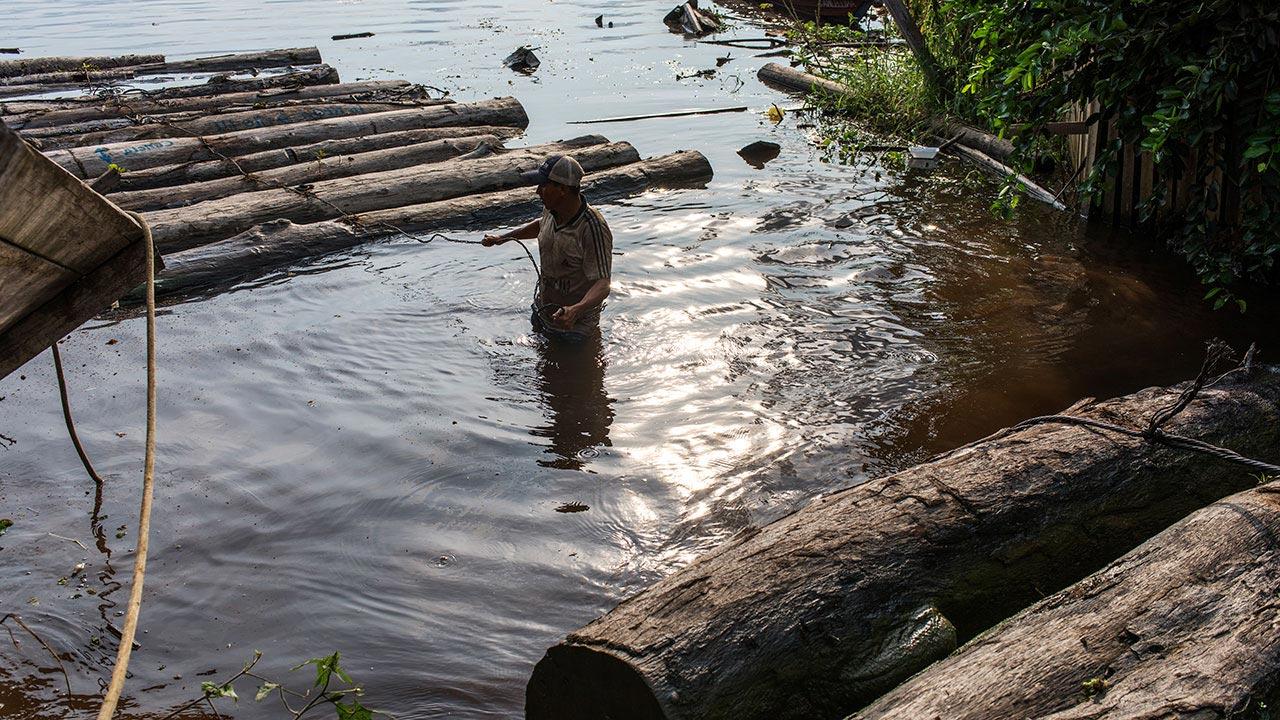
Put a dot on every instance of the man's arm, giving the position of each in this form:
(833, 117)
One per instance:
(524, 232)
(565, 317)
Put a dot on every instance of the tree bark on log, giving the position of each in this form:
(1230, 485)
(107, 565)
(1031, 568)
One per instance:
(73, 77)
(129, 106)
(1184, 626)
(217, 85)
(184, 125)
(31, 66)
(187, 173)
(314, 170)
(821, 612)
(240, 61)
(206, 222)
(274, 244)
(88, 162)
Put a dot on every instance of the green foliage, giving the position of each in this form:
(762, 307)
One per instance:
(117, 168)
(885, 97)
(1184, 80)
(325, 690)
(326, 667)
(214, 690)
(5, 524)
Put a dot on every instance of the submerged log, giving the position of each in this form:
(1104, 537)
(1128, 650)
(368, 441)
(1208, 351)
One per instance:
(32, 66)
(128, 106)
(1182, 627)
(275, 244)
(1000, 170)
(821, 612)
(205, 222)
(314, 170)
(186, 173)
(184, 125)
(87, 162)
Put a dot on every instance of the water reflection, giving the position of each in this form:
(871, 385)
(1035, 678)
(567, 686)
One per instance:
(570, 382)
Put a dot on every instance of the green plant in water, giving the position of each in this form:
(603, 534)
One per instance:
(332, 687)
(886, 97)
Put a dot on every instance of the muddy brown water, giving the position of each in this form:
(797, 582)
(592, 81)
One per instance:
(365, 453)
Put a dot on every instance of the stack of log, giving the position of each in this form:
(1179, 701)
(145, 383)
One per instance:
(827, 611)
(240, 176)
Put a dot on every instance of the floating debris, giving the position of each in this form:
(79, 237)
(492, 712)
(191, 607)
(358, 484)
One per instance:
(572, 507)
(352, 36)
(760, 152)
(523, 60)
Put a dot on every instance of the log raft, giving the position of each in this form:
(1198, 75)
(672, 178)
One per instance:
(237, 177)
(818, 614)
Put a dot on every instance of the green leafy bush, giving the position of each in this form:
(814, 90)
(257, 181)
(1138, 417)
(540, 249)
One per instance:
(1181, 79)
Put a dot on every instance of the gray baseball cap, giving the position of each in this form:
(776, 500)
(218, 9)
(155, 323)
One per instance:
(560, 169)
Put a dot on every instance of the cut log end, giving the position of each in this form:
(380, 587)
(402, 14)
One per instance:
(581, 683)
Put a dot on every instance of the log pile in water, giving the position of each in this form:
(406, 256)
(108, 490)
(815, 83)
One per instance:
(818, 614)
(236, 177)
(1184, 626)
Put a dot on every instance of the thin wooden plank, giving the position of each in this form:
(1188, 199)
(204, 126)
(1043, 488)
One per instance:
(1146, 177)
(1124, 204)
(79, 301)
(46, 210)
(28, 281)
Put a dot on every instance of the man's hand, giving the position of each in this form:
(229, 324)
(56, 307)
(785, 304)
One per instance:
(491, 240)
(566, 316)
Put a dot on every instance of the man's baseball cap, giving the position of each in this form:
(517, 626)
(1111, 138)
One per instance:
(560, 169)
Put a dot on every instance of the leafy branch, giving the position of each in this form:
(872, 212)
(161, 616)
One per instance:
(332, 686)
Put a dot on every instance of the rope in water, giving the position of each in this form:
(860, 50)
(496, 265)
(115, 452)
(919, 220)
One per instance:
(148, 480)
(66, 415)
(537, 288)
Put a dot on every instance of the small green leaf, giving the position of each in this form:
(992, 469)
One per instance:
(5, 524)
(266, 689)
(213, 690)
(353, 711)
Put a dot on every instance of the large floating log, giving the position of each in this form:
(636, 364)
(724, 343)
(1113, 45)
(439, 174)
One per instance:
(132, 105)
(77, 77)
(184, 125)
(186, 173)
(314, 170)
(1182, 627)
(32, 66)
(220, 219)
(90, 162)
(821, 612)
(217, 85)
(275, 244)
(240, 61)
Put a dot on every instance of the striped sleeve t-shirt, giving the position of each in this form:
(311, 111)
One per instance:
(574, 256)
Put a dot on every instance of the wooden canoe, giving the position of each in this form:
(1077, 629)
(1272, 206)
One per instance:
(66, 253)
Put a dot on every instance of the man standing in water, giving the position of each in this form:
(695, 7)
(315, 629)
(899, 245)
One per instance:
(576, 250)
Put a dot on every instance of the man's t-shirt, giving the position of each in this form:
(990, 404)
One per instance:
(574, 256)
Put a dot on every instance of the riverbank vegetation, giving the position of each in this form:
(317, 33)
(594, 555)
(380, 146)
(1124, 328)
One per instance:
(1196, 85)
